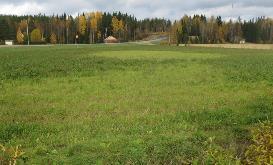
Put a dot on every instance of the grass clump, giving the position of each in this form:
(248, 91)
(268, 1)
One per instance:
(217, 155)
(11, 155)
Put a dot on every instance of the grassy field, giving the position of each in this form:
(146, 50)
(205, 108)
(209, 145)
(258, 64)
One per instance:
(236, 46)
(129, 104)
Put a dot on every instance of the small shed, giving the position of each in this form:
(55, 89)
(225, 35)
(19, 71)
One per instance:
(8, 42)
(110, 39)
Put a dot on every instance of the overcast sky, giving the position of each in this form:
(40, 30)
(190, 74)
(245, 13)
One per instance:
(172, 9)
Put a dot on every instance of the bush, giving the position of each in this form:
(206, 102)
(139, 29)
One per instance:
(217, 155)
(36, 36)
(10, 155)
(53, 38)
(261, 149)
(20, 37)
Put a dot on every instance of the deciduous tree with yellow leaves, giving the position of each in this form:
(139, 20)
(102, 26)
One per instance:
(82, 24)
(175, 33)
(20, 36)
(95, 20)
(115, 25)
(23, 25)
(36, 36)
(121, 27)
(118, 26)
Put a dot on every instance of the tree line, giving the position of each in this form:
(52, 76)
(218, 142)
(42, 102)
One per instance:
(200, 29)
(89, 27)
(94, 27)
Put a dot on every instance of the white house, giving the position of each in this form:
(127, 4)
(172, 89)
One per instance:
(8, 42)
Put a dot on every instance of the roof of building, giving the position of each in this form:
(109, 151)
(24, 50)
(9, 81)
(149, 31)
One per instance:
(110, 38)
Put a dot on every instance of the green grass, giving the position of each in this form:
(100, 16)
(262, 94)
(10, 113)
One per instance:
(131, 104)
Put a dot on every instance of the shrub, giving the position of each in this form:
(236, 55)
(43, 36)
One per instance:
(216, 155)
(53, 38)
(36, 36)
(20, 37)
(10, 155)
(261, 149)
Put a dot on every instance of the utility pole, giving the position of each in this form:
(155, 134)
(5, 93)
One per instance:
(169, 38)
(27, 31)
(67, 22)
(77, 36)
(66, 35)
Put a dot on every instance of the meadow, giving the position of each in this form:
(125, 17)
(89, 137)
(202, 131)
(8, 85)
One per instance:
(133, 104)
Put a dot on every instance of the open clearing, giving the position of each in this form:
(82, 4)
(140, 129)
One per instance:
(131, 103)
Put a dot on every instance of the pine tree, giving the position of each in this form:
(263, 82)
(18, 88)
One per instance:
(4, 30)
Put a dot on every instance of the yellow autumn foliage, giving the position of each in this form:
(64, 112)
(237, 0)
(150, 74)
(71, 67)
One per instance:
(82, 24)
(261, 149)
(20, 36)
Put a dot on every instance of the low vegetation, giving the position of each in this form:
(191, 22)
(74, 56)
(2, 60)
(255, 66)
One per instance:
(10, 155)
(136, 104)
(261, 149)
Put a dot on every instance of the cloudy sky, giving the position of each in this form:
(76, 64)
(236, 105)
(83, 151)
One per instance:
(172, 9)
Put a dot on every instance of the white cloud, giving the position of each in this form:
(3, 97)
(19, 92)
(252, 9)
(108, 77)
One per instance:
(173, 9)
(22, 9)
